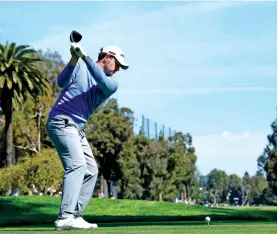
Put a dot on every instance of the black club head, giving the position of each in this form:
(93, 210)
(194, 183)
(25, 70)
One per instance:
(75, 36)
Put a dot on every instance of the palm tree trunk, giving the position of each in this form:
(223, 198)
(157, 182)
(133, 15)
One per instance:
(8, 112)
(39, 130)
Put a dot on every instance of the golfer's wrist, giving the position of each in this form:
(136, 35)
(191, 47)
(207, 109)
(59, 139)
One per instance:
(74, 60)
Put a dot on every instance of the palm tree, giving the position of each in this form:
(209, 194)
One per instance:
(19, 76)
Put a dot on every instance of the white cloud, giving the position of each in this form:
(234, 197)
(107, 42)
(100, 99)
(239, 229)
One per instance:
(232, 137)
(226, 134)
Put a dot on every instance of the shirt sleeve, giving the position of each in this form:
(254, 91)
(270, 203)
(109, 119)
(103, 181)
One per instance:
(65, 76)
(106, 84)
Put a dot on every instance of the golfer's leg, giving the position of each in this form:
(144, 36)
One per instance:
(67, 142)
(89, 181)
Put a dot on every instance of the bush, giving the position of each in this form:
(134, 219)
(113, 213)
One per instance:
(41, 172)
(12, 177)
(44, 171)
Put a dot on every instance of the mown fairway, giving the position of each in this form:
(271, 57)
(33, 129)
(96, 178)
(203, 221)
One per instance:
(165, 228)
(33, 214)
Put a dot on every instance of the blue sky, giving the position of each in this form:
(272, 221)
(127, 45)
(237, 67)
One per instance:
(207, 68)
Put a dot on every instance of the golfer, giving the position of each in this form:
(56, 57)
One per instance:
(85, 85)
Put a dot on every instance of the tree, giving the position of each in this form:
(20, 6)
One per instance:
(129, 186)
(19, 76)
(218, 185)
(112, 126)
(158, 153)
(268, 198)
(267, 162)
(246, 189)
(34, 112)
(141, 144)
(235, 189)
(182, 166)
(258, 183)
(30, 140)
(53, 64)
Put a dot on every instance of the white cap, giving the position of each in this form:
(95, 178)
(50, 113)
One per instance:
(117, 53)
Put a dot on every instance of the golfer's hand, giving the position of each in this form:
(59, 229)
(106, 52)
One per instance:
(78, 49)
(74, 58)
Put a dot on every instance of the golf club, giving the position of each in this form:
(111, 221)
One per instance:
(75, 36)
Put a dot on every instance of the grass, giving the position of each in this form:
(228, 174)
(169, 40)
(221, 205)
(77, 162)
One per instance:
(163, 228)
(43, 210)
(34, 214)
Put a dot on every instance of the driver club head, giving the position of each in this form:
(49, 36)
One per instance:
(75, 36)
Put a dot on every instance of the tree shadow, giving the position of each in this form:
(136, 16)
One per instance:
(13, 213)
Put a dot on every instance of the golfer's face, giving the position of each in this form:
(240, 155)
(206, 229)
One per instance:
(111, 66)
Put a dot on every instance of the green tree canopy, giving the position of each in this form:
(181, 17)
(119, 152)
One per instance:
(218, 185)
(107, 131)
(267, 162)
(20, 78)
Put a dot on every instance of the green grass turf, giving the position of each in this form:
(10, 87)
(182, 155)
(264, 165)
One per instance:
(35, 210)
(165, 228)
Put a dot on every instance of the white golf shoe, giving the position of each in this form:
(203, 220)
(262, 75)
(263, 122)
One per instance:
(73, 224)
(82, 222)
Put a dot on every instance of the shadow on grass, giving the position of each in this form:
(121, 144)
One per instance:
(13, 213)
(165, 219)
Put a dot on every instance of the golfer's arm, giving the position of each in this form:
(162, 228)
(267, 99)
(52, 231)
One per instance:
(65, 76)
(107, 85)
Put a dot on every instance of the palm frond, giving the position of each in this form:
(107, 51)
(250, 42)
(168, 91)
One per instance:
(25, 52)
(21, 72)
(11, 52)
(2, 82)
(19, 49)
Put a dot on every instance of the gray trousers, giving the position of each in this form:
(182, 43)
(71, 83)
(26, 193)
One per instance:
(80, 168)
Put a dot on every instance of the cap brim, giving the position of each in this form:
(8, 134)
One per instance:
(124, 66)
(122, 63)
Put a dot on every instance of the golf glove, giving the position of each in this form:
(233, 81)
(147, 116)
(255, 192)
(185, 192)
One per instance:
(78, 49)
